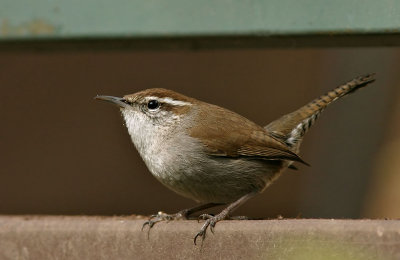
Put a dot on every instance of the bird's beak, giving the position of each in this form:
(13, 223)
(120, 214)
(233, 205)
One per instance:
(115, 100)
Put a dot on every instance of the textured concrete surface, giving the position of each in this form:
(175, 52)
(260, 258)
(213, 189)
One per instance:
(81, 237)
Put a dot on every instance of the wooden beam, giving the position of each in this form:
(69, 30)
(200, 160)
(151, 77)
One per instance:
(51, 237)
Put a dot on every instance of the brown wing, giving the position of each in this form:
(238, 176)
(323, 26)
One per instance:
(225, 133)
(269, 153)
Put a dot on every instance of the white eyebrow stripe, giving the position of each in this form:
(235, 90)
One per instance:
(171, 101)
(175, 102)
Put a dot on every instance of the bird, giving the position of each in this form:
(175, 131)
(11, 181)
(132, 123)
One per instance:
(212, 155)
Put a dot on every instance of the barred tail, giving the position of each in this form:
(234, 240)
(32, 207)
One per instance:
(291, 128)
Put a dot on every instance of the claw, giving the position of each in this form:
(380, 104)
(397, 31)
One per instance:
(212, 225)
(203, 231)
(204, 217)
(161, 216)
(195, 238)
(212, 229)
(150, 223)
(202, 234)
(144, 224)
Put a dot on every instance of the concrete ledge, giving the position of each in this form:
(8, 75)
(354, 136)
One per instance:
(81, 237)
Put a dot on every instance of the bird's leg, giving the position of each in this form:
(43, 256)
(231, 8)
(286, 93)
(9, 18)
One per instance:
(183, 214)
(212, 220)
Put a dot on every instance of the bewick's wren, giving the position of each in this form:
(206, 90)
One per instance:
(213, 155)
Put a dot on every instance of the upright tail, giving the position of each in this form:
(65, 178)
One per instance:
(291, 128)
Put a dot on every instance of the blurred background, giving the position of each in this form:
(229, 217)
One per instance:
(64, 153)
(61, 152)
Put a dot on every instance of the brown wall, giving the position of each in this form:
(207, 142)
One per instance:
(61, 152)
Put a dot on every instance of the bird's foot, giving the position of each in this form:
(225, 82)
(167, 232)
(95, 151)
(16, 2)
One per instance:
(162, 216)
(211, 221)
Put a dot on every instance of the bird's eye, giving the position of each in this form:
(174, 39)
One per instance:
(153, 104)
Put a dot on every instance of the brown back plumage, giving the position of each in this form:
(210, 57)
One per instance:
(227, 134)
(291, 128)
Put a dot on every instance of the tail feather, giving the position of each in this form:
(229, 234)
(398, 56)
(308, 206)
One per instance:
(291, 128)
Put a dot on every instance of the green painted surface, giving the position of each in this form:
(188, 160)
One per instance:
(160, 18)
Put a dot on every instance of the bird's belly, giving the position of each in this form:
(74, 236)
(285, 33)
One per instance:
(220, 180)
